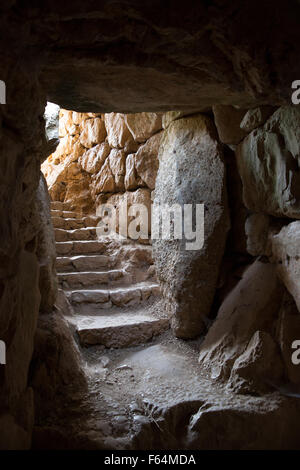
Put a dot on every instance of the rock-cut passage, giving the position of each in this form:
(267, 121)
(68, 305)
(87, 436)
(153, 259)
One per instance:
(107, 283)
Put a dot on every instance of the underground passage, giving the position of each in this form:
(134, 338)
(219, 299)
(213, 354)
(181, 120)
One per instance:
(150, 225)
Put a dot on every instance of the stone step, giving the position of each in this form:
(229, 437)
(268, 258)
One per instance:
(66, 214)
(59, 206)
(89, 279)
(67, 224)
(83, 263)
(118, 296)
(72, 223)
(62, 235)
(80, 247)
(120, 331)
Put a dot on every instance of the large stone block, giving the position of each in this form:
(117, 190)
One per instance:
(227, 120)
(104, 181)
(143, 125)
(46, 251)
(256, 117)
(56, 364)
(117, 163)
(118, 134)
(92, 160)
(191, 171)
(251, 306)
(286, 255)
(268, 162)
(92, 131)
(146, 160)
(123, 202)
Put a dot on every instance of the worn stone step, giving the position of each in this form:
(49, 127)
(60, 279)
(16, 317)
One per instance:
(66, 214)
(60, 206)
(73, 223)
(62, 235)
(83, 263)
(91, 278)
(80, 247)
(120, 331)
(118, 296)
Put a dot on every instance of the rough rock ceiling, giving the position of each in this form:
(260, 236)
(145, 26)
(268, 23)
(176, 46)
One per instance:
(133, 56)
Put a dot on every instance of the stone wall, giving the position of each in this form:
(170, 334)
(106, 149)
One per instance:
(189, 60)
(249, 345)
(22, 145)
(104, 158)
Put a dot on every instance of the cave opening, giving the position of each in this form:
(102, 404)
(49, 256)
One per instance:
(134, 314)
(216, 81)
(114, 312)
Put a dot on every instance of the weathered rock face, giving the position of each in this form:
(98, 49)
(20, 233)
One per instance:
(46, 250)
(251, 307)
(227, 120)
(286, 254)
(198, 56)
(191, 171)
(146, 160)
(93, 159)
(268, 161)
(22, 143)
(288, 331)
(141, 196)
(99, 159)
(56, 364)
(118, 135)
(258, 366)
(66, 179)
(174, 61)
(143, 125)
(257, 232)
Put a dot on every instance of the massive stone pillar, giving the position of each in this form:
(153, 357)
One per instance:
(191, 171)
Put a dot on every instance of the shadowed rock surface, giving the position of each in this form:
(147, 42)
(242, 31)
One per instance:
(191, 170)
(182, 59)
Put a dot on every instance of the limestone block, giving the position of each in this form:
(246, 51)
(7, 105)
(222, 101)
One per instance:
(66, 124)
(92, 131)
(146, 160)
(286, 255)
(143, 125)
(125, 200)
(104, 181)
(117, 163)
(288, 332)
(268, 162)
(258, 367)
(227, 120)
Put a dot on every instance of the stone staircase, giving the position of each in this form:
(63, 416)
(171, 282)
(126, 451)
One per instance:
(110, 284)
